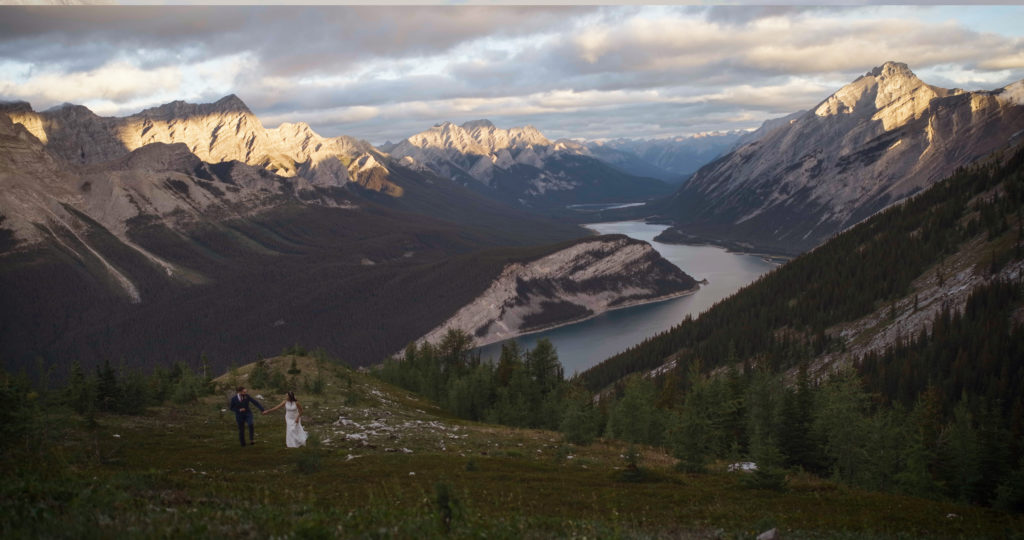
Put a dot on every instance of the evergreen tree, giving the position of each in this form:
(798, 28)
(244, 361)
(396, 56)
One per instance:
(691, 434)
(962, 450)
(763, 406)
(80, 393)
(841, 423)
(509, 361)
(581, 420)
(634, 418)
(920, 456)
(796, 442)
(108, 388)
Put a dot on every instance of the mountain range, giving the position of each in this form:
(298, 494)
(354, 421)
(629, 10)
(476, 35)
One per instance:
(520, 165)
(672, 159)
(874, 142)
(188, 230)
(116, 232)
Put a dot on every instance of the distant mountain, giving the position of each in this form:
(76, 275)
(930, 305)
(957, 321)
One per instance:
(190, 230)
(521, 165)
(874, 142)
(670, 159)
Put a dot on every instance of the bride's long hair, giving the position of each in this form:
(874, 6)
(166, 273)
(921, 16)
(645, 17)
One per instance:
(291, 396)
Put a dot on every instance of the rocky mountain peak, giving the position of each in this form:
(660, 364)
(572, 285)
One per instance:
(294, 131)
(68, 110)
(892, 69)
(890, 93)
(482, 123)
(528, 135)
(15, 106)
(872, 143)
(231, 103)
(184, 110)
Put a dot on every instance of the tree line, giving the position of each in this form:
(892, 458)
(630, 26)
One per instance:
(938, 414)
(959, 449)
(524, 388)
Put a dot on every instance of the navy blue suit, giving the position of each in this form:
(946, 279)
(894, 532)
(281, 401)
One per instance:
(243, 415)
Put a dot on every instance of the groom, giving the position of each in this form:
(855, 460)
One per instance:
(242, 404)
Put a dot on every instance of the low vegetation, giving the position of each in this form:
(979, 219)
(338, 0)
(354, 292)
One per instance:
(384, 463)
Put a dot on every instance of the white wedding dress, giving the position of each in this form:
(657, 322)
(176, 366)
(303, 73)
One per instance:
(294, 435)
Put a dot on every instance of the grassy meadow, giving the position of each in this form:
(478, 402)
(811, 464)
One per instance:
(382, 463)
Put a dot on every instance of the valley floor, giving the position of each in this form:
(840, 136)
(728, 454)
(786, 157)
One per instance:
(382, 463)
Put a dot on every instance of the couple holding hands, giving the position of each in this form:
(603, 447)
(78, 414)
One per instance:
(241, 403)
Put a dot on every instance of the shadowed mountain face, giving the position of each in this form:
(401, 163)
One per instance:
(189, 230)
(520, 165)
(874, 142)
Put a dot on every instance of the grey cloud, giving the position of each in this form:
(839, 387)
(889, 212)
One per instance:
(290, 40)
(718, 71)
(743, 15)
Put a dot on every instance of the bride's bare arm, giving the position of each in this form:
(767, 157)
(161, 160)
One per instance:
(275, 408)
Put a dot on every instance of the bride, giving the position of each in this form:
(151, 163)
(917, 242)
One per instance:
(294, 435)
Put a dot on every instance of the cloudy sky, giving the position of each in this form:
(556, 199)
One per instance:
(595, 72)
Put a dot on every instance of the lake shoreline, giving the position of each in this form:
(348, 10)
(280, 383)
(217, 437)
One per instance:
(624, 305)
(581, 344)
(675, 237)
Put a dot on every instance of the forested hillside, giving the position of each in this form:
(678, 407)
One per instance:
(782, 319)
(776, 374)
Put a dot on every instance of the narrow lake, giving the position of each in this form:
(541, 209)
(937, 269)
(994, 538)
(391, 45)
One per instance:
(587, 343)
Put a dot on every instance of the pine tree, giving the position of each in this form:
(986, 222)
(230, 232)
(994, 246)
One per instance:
(581, 420)
(691, 434)
(108, 388)
(962, 451)
(634, 418)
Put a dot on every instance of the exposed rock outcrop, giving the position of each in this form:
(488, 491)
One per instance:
(586, 279)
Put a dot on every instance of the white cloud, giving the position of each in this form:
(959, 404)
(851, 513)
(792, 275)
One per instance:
(118, 81)
(120, 87)
(1010, 60)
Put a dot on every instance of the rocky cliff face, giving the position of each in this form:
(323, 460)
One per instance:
(43, 198)
(160, 181)
(520, 165)
(572, 284)
(874, 142)
(215, 132)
